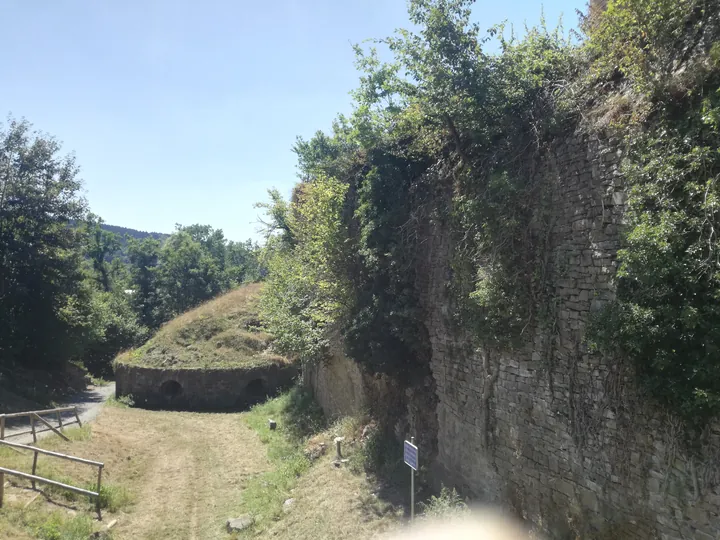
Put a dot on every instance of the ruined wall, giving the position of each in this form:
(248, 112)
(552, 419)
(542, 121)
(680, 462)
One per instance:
(343, 388)
(557, 433)
(201, 389)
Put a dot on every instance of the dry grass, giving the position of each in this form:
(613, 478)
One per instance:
(330, 501)
(184, 472)
(177, 475)
(223, 332)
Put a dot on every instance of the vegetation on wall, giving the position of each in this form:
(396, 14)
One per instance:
(444, 107)
(449, 131)
(666, 316)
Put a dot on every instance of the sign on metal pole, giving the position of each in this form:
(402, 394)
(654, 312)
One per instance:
(410, 455)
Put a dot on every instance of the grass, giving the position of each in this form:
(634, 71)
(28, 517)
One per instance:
(224, 332)
(182, 475)
(56, 525)
(167, 475)
(329, 501)
(57, 514)
(297, 417)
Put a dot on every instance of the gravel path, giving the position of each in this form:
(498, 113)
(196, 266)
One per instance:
(88, 403)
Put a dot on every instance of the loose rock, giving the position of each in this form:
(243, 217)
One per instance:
(288, 505)
(240, 523)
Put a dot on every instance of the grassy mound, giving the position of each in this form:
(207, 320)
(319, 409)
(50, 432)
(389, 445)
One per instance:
(224, 332)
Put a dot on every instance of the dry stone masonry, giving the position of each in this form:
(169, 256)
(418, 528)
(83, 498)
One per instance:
(557, 433)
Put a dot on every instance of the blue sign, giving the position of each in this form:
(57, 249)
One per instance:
(411, 455)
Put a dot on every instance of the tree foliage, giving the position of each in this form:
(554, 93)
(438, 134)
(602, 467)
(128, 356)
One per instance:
(44, 307)
(306, 291)
(666, 316)
(65, 295)
(442, 98)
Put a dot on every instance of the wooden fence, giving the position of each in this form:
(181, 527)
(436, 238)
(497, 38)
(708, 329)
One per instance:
(36, 417)
(34, 478)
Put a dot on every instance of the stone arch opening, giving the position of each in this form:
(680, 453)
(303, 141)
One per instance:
(171, 389)
(256, 390)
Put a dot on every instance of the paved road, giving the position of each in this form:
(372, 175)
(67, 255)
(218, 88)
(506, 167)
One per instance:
(88, 403)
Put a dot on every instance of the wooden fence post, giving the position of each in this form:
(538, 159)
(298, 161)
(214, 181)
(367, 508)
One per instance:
(2, 487)
(35, 456)
(78, 417)
(2, 427)
(99, 486)
(32, 428)
(59, 417)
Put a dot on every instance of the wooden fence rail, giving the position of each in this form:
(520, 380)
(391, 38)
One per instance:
(34, 478)
(35, 416)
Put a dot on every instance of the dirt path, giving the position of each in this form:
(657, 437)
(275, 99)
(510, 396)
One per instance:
(187, 470)
(89, 402)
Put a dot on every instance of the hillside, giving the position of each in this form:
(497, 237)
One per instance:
(223, 332)
(133, 233)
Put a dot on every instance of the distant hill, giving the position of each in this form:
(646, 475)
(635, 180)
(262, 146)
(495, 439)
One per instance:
(123, 234)
(134, 233)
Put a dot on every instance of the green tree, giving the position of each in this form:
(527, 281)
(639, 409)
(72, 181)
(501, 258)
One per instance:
(242, 263)
(44, 307)
(102, 245)
(188, 273)
(307, 290)
(144, 256)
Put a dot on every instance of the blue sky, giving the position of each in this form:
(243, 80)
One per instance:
(186, 111)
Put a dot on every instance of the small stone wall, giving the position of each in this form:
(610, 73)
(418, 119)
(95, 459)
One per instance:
(201, 389)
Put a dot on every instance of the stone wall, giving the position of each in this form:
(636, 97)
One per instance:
(557, 433)
(201, 389)
(551, 430)
(337, 385)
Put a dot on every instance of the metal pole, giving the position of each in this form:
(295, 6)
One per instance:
(412, 487)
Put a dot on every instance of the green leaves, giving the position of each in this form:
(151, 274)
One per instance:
(651, 42)
(41, 270)
(667, 317)
(306, 290)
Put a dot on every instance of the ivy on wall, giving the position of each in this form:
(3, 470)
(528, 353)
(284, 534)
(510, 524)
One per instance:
(444, 102)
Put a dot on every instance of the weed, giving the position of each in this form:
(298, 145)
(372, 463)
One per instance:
(58, 526)
(113, 497)
(122, 402)
(98, 380)
(79, 433)
(447, 505)
(379, 455)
